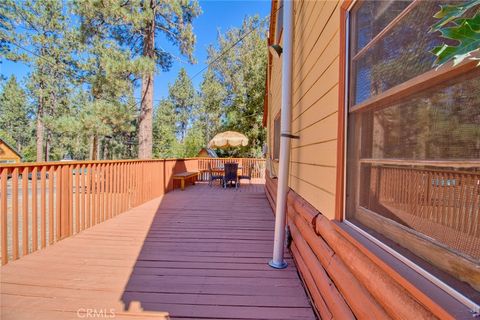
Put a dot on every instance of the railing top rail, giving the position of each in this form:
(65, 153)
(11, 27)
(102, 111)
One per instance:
(87, 162)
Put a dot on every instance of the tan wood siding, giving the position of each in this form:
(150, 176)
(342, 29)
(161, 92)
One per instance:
(315, 103)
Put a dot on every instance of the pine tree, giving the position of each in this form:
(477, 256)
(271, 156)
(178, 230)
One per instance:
(15, 114)
(6, 28)
(241, 72)
(165, 143)
(108, 74)
(194, 140)
(45, 31)
(139, 25)
(182, 95)
(212, 95)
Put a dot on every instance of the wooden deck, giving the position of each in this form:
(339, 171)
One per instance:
(197, 254)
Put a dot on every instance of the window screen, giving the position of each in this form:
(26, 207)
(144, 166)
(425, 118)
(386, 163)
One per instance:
(413, 164)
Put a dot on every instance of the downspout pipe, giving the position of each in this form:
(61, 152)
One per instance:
(285, 138)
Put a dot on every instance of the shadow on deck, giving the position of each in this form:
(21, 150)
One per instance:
(200, 253)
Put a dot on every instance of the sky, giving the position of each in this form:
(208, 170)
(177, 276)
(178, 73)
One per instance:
(217, 15)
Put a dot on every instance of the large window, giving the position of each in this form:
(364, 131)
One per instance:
(413, 156)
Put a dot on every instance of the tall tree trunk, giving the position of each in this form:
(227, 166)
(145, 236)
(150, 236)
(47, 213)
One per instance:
(145, 124)
(47, 146)
(106, 149)
(94, 150)
(40, 132)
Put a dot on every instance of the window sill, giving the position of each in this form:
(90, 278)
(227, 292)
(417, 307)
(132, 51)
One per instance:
(427, 293)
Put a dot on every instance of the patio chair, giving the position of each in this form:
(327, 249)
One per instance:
(231, 174)
(213, 176)
(247, 174)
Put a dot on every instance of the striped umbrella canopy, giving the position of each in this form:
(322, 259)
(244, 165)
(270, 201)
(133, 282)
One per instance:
(228, 139)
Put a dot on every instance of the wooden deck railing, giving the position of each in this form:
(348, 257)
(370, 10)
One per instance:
(449, 198)
(432, 201)
(257, 165)
(42, 203)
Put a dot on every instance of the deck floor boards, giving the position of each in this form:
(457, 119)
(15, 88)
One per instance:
(201, 253)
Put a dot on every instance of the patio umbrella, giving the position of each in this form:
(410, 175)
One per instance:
(228, 139)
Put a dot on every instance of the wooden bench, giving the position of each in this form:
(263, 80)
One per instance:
(185, 176)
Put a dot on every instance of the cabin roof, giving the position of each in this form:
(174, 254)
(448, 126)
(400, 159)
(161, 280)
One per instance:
(11, 148)
(211, 153)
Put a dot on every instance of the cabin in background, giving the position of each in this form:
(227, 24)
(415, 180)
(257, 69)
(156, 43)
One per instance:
(207, 153)
(8, 154)
(384, 179)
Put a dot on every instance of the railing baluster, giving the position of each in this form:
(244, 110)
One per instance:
(77, 198)
(122, 187)
(108, 191)
(59, 193)
(43, 207)
(101, 190)
(119, 202)
(112, 190)
(105, 192)
(476, 207)
(89, 190)
(115, 189)
(71, 221)
(4, 214)
(93, 209)
(25, 194)
(15, 214)
(82, 198)
(34, 210)
(469, 203)
(96, 186)
(131, 198)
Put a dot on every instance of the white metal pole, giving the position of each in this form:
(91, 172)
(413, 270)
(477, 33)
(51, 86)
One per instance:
(285, 128)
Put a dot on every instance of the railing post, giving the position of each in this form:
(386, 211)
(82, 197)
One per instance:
(64, 193)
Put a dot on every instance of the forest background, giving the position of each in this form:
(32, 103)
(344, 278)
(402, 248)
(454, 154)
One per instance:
(88, 58)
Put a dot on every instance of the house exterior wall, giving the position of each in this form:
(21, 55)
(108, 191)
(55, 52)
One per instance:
(346, 275)
(315, 107)
(315, 103)
(7, 154)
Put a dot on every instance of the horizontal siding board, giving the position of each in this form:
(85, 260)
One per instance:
(310, 93)
(276, 87)
(319, 199)
(311, 154)
(330, 32)
(304, 35)
(323, 129)
(322, 20)
(303, 16)
(322, 177)
(318, 65)
(324, 106)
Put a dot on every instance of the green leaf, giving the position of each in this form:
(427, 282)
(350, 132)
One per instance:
(467, 33)
(449, 13)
